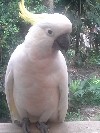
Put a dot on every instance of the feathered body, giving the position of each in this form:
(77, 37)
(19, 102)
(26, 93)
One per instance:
(36, 81)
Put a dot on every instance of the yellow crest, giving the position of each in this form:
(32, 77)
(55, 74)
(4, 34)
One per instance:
(28, 16)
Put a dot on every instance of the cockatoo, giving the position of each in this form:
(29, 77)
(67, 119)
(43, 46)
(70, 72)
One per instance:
(36, 80)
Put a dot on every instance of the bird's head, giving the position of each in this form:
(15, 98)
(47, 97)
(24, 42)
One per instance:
(51, 30)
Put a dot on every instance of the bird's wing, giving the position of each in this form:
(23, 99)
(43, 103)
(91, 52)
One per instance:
(9, 84)
(63, 98)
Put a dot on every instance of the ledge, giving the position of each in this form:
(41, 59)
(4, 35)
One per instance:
(66, 127)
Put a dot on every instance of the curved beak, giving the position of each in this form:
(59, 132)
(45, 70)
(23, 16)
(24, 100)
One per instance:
(62, 42)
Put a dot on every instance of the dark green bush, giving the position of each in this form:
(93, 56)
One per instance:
(12, 28)
(85, 92)
(4, 112)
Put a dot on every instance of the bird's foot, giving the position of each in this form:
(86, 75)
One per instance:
(18, 123)
(25, 125)
(42, 127)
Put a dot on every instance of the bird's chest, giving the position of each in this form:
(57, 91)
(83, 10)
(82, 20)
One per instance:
(39, 89)
(39, 79)
(36, 84)
(40, 73)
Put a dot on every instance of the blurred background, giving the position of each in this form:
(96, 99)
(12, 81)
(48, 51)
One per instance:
(82, 58)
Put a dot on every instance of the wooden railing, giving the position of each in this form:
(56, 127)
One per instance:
(66, 127)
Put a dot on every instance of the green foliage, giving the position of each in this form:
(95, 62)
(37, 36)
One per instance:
(35, 6)
(94, 58)
(79, 12)
(74, 116)
(12, 29)
(70, 53)
(4, 112)
(85, 92)
(9, 29)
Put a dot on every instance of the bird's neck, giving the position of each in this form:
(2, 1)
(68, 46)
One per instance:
(41, 52)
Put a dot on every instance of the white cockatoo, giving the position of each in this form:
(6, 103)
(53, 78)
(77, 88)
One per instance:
(36, 81)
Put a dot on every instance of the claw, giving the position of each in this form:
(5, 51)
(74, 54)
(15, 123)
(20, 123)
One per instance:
(18, 123)
(25, 125)
(42, 127)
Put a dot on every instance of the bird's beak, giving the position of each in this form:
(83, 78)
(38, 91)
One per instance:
(62, 42)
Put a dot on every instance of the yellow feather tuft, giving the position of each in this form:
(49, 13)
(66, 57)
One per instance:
(28, 16)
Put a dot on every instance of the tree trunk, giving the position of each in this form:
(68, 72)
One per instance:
(77, 54)
(78, 29)
(77, 40)
(49, 4)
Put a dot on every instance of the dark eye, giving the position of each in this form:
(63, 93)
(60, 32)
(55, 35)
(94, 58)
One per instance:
(50, 31)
